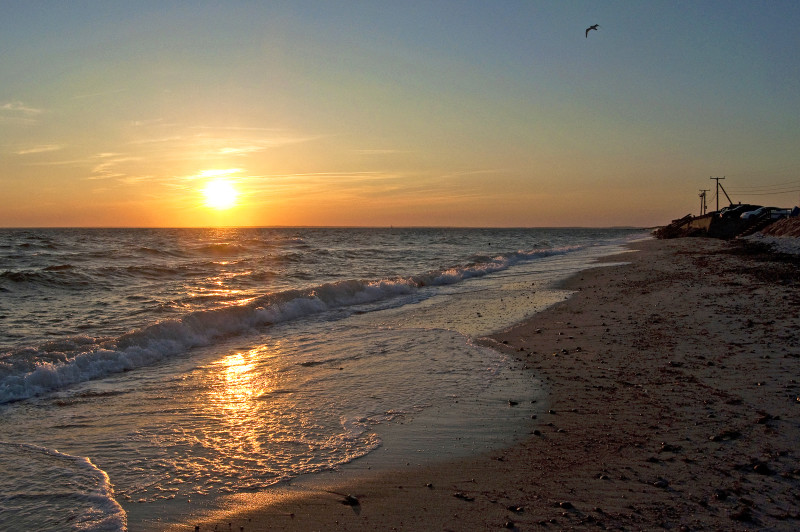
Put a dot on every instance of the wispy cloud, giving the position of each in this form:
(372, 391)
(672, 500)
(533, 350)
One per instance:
(107, 168)
(39, 149)
(222, 142)
(247, 145)
(18, 107)
(135, 180)
(17, 112)
(158, 140)
(207, 174)
(241, 150)
(245, 140)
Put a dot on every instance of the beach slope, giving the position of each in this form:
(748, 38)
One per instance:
(673, 402)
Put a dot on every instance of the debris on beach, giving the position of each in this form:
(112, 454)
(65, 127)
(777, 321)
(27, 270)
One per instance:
(347, 499)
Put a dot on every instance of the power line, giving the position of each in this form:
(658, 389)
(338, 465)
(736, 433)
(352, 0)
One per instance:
(776, 190)
(775, 185)
(766, 193)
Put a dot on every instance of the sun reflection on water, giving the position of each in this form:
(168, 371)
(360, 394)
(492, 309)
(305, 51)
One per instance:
(268, 413)
(254, 423)
(236, 384)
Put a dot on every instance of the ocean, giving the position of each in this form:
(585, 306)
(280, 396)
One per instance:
(146, 374)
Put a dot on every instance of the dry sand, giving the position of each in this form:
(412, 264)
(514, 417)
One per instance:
(673, 403)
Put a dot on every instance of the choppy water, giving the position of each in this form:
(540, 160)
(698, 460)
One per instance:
(144, 369)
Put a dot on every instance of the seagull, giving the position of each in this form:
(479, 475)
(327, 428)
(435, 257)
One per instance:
(591, 28)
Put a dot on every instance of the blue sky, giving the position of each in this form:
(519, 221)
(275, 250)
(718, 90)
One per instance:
(394, 113)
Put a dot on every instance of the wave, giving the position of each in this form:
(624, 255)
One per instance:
(29, 372)
(50, 490)
(222, 249)
(61, 276)
(43, 244)
(152, 252)
(59, 268)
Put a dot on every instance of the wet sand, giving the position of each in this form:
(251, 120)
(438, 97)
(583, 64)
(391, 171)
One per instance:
(673, 402)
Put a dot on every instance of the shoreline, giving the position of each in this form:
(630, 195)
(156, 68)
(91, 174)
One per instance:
(672, 402)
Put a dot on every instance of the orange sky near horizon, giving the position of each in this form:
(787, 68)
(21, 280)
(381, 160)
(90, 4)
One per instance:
(449, 114)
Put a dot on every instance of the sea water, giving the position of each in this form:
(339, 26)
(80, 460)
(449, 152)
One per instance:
(147, 372)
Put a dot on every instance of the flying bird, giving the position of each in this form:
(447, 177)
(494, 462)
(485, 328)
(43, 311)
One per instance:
(591, 28)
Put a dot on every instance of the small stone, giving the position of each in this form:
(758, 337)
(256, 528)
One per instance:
(565, 505)
(661, 483)
(763, 469)
(668, 448)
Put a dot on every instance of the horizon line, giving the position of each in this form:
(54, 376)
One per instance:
(101, 227)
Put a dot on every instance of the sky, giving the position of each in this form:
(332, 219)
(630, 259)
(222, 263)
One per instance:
(378, 113)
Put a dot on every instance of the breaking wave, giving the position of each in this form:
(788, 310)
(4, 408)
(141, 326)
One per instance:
(28, 372)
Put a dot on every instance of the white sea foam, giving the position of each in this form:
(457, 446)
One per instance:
(28, 373)
(78, 495)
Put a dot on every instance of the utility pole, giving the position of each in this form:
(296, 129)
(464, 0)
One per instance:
(717, 179)
(703, 207)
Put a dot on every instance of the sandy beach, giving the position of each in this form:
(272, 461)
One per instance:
(672, 402)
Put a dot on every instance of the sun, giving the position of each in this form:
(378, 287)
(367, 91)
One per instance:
(220, 194)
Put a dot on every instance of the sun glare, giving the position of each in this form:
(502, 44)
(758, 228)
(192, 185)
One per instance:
(220, 194)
